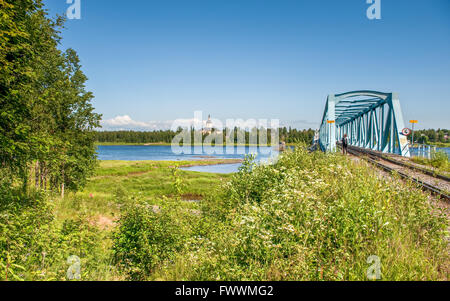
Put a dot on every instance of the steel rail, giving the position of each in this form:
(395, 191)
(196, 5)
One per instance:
(416, 168)
(425, 186)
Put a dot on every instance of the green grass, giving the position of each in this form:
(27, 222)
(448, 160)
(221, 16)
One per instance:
(441, 144)
(150, 180)
(439, 162)
(308, 217)
(437, 144)
(81, 223)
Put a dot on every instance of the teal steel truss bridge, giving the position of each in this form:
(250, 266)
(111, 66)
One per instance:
(370, 119)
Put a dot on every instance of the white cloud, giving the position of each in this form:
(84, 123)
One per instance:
(125, 122)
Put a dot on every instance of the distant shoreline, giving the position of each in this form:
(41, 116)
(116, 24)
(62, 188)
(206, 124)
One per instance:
(435, 144)
(210, 161)
(168, 144)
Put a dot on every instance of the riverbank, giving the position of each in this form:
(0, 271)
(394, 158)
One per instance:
(129, 144)
(82, 223)
(436, 144)
(441, 144)
(169, 144)
(151, 179)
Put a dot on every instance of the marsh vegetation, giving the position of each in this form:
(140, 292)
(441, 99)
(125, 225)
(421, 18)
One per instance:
(307, 217)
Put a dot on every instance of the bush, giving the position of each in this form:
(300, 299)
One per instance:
(313, 217)
(33, 246)
(26, 224)
(440, 160)
(147, 236)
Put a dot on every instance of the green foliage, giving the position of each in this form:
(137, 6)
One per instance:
(308, 217)
(47, 119)
(46, 137)
(117, 137)
(35, 246)
(439, 160)
(151, 179)
(147, 236)
(178, 183)
(25, 226)
(431, 136)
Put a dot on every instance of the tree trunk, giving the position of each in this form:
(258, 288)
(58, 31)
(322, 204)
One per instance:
(41, 175)
(24, 176)
(45, 179)
(62, 185)
(36, 175)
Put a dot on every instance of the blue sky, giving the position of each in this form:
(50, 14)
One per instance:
(150, 62)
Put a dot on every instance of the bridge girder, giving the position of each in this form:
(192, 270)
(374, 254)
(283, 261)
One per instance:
(371, 119)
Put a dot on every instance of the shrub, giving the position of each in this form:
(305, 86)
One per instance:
(440, 160)
(313, 217)
(147, 236)
(26, 226)
(33, 246)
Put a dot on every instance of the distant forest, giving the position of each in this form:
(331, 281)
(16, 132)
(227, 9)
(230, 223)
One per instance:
(288, 135)
(431, 136)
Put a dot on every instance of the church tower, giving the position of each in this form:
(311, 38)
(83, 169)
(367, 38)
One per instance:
(209, 125)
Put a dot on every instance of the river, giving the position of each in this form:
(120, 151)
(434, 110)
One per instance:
(165, 153)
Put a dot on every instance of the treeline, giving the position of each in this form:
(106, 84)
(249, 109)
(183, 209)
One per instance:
(135, 136)
(431, 136)
(47, 120)
(287, 135)
(291, 135)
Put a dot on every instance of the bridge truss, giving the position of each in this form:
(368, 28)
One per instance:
(371, 120)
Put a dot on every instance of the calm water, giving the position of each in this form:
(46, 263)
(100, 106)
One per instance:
(164, 153)
(224, 168)
(414, 151)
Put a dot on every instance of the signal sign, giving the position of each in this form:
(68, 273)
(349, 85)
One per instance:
(331, 121)
(414, 121)
(406, 132)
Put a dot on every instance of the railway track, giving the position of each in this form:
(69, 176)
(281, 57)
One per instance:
(424, 178)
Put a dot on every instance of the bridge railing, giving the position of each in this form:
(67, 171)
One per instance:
(370, 119)
(423, 150)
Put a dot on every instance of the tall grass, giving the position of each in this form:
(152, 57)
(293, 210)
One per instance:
(39, 231)
(439, 160)
(307, 217)
(35, 246)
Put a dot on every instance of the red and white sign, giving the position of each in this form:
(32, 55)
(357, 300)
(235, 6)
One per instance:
(406, 131)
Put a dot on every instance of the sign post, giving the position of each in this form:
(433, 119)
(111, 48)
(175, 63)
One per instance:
(413, 122)
(331, 130)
